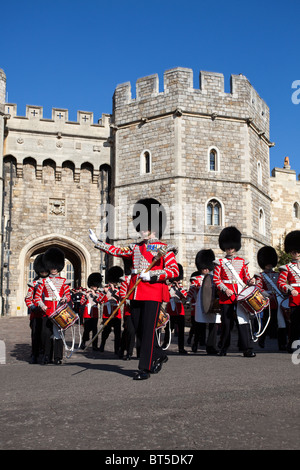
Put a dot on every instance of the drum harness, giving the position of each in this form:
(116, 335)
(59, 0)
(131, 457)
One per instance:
(254, 335)
(59, 331)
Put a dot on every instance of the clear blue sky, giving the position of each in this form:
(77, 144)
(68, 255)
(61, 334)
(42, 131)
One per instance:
(72, 54)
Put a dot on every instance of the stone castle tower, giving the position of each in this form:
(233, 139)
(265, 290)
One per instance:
(203, 154)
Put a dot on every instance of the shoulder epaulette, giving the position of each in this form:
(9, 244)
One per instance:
(172, 248)
(283, 267)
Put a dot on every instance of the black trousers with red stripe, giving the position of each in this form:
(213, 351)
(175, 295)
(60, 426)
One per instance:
(144, 316)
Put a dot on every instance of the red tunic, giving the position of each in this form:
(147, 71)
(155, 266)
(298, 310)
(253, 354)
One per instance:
(124, 287)
(35, 312)
(265, 286)
(193, 292)
(112, 299)
(142, 255)
(45, 295)
(177, 294)
(224, 279)
(90, 301)
(290, 280)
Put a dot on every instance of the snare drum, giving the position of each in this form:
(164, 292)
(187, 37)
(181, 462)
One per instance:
(252, 299)
(285, 308)
(64, 316)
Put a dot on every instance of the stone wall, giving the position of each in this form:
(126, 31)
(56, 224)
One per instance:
(285, 192)
(55, 194)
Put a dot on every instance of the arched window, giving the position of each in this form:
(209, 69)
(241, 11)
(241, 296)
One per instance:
(145, 162)
(213, 159)
(296, 212)
(213, 213)
(259, 173)
(68, 272)
(261, 222)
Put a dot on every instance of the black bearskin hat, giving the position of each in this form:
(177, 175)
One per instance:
(267, 255)
(54, 258)
(94, 280)
(194, 275)
(114, 274)
(230, 237)
(292, 241)
(180, 276)
(38, 264)
(204, 259)
(149, 214)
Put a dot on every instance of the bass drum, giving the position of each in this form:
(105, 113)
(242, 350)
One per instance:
(209, 296)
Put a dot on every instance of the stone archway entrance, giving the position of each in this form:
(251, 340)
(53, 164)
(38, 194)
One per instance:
(75, 253)
(71, 260)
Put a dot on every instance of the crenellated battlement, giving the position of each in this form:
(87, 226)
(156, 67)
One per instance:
(178, 91)
(59, 116)
(57, 138)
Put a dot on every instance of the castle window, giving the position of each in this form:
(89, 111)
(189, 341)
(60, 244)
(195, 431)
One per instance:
(145, 162)
(261, 222)
(296, 212)
(213, 159)
(32, 272)
(213, 213)
(259, 173)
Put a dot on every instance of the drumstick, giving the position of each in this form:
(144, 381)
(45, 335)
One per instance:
(161, 252)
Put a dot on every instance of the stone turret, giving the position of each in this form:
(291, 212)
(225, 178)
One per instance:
(176, 130)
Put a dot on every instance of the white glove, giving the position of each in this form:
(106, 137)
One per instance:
(145, 276)
(92, 236)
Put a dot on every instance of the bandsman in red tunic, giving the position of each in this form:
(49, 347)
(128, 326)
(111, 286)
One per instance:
(128, 335)
(111, 301)
(175, 309)
(229, 273)
(204, 262)
(90, 301)
(190, 301)
(147, 296)
(266, 281)
(36, 313)
(50, 292)
(289, 284)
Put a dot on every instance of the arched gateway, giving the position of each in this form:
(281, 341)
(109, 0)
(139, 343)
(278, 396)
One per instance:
(75, 253)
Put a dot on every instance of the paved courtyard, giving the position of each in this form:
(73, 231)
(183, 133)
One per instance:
(197, 402)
